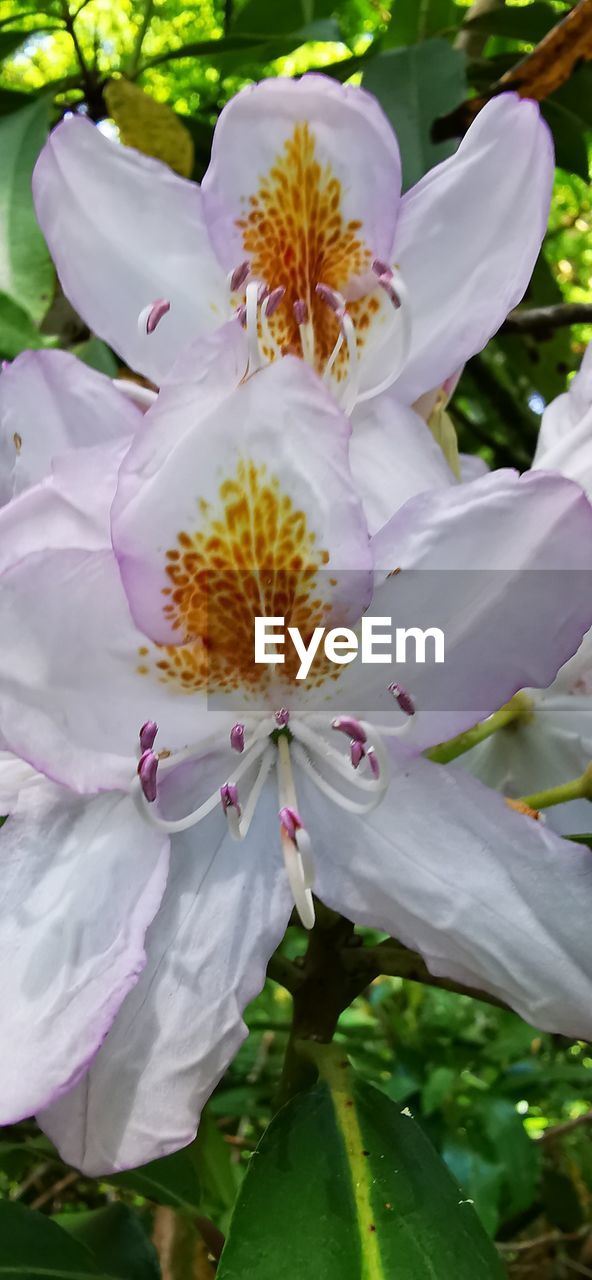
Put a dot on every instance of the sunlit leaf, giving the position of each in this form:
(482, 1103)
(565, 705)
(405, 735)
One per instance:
(26, 273)
(415, 86)
(116, 1239)
(345, 1186)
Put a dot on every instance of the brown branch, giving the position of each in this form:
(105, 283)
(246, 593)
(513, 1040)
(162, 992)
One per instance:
(558, 1130)
(541, 322)
(55, 1189)
(540, 1242)
(535, 76)
(394, 960)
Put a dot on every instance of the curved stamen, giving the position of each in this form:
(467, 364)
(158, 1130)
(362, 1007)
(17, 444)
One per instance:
(239, 276)
(175, 825)
(281, 717)
(356, 753)
(401, 323)
(237, 737)
(151, 316)
(352, 727)
(306, 330)
(265, 766)
(338, 797)
(333, 759)
(148, 734)
(253, 300)
(385, 276)
(403, 698)
(295, 842)
(337, 303)
(147, 770)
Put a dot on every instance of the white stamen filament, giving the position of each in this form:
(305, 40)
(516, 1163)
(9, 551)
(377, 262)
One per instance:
(267, 748)
(401, 322)
(297, 853)
(255, 355)
(253, 314)
(173, 826)
(329, 754)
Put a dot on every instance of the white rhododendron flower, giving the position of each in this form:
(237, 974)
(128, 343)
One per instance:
(300, 224)
(551, 741)
(191, 798)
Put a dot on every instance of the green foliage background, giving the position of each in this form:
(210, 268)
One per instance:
(489, 1090)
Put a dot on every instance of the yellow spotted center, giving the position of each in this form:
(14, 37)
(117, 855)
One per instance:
(253, 554)
(295, 235)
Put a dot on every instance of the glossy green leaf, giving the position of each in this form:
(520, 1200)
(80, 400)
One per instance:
(269, 17)
(529, 22)
(117, 1240)
(26, 272)
(219, 1177)
(172, 1181)
(583, 839)
(437, 1089)
(33, 1246)
(512, 1148)
(345, 1186)
(569, 137)
(480, 1177)
(98, 355)
(17, 331)
(411, 21)
(414, 87)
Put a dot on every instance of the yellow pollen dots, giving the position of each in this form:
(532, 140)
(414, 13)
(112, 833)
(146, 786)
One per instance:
(253, 555)
(295, 235)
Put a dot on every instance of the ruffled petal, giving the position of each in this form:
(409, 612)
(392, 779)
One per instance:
(78, 679)
(468, 236)
(502, 567)
(123, 231)
(81, 882)
(489, 897)
(393, 457)
(225, 910)
(50, 402)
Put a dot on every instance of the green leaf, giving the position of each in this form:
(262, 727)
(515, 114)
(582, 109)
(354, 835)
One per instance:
(583, 839)
(345, 1186)
(414, 87)
(520, 1156)
(98, 355)
(116, 1238)
(480, 1177)
(437, 1089)
(269, 18)
(529, 22)
(569, 136)
(413, 21)
(34, 1246)
(26, 272)
(17, 331)
(172, 1181)
(219, 1177)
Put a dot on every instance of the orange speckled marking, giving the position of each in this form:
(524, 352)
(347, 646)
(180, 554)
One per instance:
(254, 555)
(295, 235)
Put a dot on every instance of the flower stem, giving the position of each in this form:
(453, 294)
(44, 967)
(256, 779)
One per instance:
(578, 789)
(518, 708)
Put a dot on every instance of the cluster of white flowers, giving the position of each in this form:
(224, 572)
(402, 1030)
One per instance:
(169, 801)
